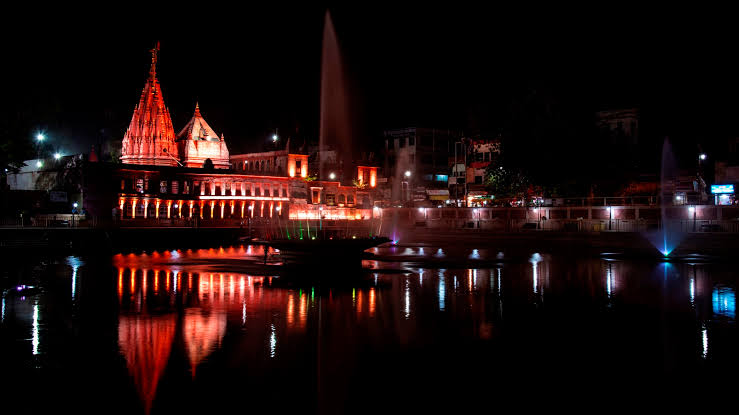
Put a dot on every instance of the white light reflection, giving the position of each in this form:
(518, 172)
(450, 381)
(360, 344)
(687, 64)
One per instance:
(407, 299)
(35, 340)
(3, 315)
(272, 341)
(609, 281)
(439, 253)
(243, 312)
(535, 259)
(705, 342)
(475, 254)
(420, 276)
(442, 292)
(692, 291)
(75, 263)
(174, 279)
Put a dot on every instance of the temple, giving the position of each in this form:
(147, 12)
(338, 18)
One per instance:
(150, 136)
(197, 143)
(191, 175)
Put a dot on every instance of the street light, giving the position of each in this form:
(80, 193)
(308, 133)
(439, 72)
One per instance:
(40, 137)
(57, 156)
(274, 138)
(39, 163)
(703, 156)
(407, 173)
(332, 175)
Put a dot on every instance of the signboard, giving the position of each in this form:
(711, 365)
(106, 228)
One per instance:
(438, 192)
(55, 196)
(722, 188)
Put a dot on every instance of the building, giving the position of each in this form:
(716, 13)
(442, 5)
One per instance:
(192, 175)
(416, 161)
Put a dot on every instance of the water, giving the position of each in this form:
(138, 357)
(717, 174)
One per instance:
(185, 331)
(335, 125)
(669, 236)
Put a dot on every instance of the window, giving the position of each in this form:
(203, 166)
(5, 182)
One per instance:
(342, 199)
(401, 143)
(186, 187)
(175, 187)
(441, 177)
(350, 199)
(123, 184)
(412, 140)
(298, 166)
(427, 141)
(139, 185)
(163, 186)
(330, 199)
(257, 191)
(428, 177)
(316, 195)
(478, 179)
(146, 185)
(284, 192)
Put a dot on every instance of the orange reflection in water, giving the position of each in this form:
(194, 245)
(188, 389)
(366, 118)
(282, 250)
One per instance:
(146, 342)
(203, 333)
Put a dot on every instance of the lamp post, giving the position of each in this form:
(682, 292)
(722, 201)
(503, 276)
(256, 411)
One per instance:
(74, 213)
(407, 175)
(692, 210)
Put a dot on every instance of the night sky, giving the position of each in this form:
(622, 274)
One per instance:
(78, 78)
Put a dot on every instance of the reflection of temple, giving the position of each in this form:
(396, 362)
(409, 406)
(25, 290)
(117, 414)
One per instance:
(192, 174)
(203, 333)
(146, 342)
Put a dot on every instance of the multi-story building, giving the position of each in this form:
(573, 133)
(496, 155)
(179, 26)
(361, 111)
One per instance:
(416, 161)
(192, 175)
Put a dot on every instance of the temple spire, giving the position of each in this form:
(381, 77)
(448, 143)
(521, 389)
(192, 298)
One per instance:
(197, 109)
(153, 70)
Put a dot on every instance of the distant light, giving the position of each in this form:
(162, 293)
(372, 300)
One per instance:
(57, 156)
(407, 173)
(274, 137)
(278, 208)
(332, 176)
(691, 209)
(251, 207)
(703, 156)
(176, 205)
(320, 208)
(40, 137)
(39, 163)
(74, 204)
(608, 208)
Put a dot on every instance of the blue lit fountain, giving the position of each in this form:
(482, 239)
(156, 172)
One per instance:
(669, 235)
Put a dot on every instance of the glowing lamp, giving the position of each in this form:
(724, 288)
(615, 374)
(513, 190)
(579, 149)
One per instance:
(407, 173)
(703, 156)
(39, 163)
(274, 138)
(251, 207)
(332, 176)
(40, 137)
(57, 156)
(74, 204)
(691, 209)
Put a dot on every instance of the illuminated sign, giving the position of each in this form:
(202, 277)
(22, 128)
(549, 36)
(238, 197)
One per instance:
(722, 188)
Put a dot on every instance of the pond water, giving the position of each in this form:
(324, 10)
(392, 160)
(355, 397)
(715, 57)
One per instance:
(183, 331)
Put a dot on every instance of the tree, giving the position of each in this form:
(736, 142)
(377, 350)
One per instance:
(504, 182)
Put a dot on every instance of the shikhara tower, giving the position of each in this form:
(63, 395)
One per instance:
(150, 138)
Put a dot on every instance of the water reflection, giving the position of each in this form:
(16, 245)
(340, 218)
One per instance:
(202, 332)
(182, 319)
(146, 343)
(724, 301)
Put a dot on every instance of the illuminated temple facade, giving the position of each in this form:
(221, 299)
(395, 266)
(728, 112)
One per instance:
(192, 175)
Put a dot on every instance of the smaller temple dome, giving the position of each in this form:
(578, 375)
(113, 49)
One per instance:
(197, 129)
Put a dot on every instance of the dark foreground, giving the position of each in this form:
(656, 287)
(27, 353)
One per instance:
(186, 332)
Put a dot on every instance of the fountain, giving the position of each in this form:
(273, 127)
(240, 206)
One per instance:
(669, 234)
(318, 247)
(335, 127)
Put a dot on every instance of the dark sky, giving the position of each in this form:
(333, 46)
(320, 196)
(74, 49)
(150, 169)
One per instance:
(78, 76)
